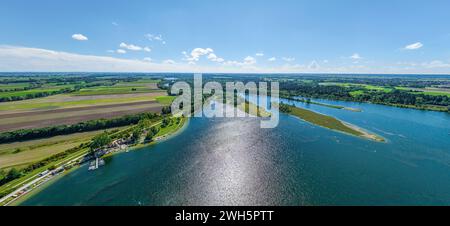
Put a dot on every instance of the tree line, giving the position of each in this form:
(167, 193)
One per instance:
(91, 125)
(47, 93)
(395, 97)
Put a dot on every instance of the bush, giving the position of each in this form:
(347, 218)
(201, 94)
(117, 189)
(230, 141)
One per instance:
(100, 141)
(10, 176)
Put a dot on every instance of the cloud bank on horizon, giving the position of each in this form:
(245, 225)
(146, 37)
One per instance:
(273, 37)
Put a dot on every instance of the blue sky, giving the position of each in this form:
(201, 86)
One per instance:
(345, 36)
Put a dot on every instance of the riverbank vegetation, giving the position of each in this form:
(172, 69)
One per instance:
(389, 94)
(86, 112)
(327, 122)
(28, 134)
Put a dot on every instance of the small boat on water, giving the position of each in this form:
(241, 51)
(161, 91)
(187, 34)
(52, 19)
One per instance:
(96, 164)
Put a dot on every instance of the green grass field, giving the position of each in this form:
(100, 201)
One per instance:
(431, 93)
(323, 120)
(20, 154)
(364, 86)
(36, 104)
(426, 91)
(9, 86)
(139, 86)
(25, 92)
(331, 123)
(171, 128)
(166, 100)
(357, 93)
(11, 186)
(105, 90)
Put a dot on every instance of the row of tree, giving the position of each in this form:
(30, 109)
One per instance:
(11, 175)
(31, 86)
(48, 93)
(395, 97)
(14, 173)
(28, 134)
(36, 95)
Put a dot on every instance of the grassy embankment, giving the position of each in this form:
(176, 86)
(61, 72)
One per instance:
(21, 154)
(329, 122)
(163, 133)
(15, 184)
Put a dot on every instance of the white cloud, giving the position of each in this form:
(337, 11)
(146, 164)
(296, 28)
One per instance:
(314, 65)
(288, 59)
(260, 54)
(16, 58)
(79, 37)
(214, 58)
(436, 64)
(121, 51)
(414, 46)
(272, 59)
(169, 61)
(147, 59)
(153, 37)
(355, 56)
(196, 53)
(134, 47)
(249, 60)
(130, 47)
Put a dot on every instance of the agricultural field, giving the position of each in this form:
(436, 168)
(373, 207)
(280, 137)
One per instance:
(103, 99)
(427, 91)
(11, 86)
(364, 86)
(432, 91)
(140, 86)
(37, 102)
(20, 154)
(27, 92)
(67, 110)
(29, 120)
(165, 100)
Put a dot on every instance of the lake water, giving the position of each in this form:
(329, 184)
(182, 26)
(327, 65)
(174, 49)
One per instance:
(234, 162)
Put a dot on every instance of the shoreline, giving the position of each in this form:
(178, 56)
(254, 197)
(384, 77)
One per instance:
(366, 134)
(46, 183)
(334, 124)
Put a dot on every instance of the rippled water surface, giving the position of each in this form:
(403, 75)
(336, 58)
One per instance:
(234, 162)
